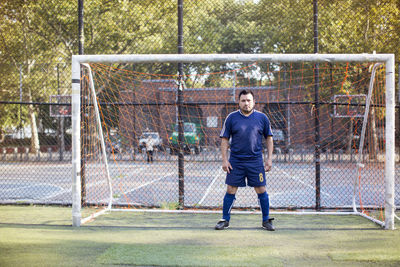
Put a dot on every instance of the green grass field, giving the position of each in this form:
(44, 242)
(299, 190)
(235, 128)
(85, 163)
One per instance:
(43, 236)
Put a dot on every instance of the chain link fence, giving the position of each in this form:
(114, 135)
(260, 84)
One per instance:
(38, 38)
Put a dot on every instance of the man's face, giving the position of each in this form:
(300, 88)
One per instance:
(246, 103)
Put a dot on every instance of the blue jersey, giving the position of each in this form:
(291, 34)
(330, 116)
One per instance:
(246, 133)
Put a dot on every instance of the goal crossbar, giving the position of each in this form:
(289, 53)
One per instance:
(387, 59)
(224, 58)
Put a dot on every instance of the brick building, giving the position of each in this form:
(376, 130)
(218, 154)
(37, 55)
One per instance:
(152, 108)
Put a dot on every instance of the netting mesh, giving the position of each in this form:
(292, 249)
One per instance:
(139, 113)
(95, 175)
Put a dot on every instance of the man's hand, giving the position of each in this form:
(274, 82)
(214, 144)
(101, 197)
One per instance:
(268, 164)
(226, 166)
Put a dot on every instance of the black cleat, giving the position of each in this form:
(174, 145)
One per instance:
(222, 224)
(267, 225)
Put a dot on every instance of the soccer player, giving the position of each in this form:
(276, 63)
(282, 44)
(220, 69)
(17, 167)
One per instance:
(245, 129)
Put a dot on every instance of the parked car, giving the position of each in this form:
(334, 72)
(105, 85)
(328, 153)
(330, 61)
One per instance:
(192, 138)
(114, 146)
(157, 141)
(279, 140)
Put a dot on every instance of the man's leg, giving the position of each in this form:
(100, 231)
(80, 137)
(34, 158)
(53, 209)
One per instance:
(264, 201)
(229, 199)
(228, 202)
(264, 206)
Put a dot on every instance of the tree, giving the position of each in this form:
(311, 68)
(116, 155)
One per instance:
(33, 35)
(36, 33)
(367, 27)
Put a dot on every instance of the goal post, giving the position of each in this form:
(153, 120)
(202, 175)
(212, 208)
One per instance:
(387, 59)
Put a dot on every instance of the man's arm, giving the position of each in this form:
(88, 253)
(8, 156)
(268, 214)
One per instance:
(270, 147)
(226, 166)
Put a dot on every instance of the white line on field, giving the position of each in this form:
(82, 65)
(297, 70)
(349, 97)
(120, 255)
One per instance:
(15, 188)
(137, 170)
(302, 182)
(219, 174)
(58, 193)
(146, 184)
(89, 185)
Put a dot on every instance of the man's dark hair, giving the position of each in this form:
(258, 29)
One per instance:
(246, 92)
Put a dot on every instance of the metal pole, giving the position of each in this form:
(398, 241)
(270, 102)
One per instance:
(80, 27)
(83, 102)
(60, 129)
(76, 146)
(316, 115)
(398, 109)
(225, 58)
(390, 100)
(20, 100)
(180, 109)
(284, 68)
(331, 146)
(289, 140)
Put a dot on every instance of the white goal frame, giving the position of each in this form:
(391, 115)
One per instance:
(387, 59)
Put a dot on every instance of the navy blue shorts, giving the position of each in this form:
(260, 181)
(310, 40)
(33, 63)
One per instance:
(251, 170)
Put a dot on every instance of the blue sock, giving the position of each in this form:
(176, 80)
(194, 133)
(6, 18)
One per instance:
(227, 206)
(264, 205)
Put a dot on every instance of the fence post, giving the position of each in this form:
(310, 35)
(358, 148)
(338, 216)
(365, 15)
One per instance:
(316, 115)
(15, 153)
(83, 102)
(180, 111)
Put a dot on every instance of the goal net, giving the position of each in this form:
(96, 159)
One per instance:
(146, 135)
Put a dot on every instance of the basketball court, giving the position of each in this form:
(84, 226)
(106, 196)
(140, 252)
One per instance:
(289, 184)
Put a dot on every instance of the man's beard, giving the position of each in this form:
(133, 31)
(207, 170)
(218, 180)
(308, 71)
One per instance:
(246, 112)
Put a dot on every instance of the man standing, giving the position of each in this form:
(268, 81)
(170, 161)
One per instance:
(150, 149)
(246, 128)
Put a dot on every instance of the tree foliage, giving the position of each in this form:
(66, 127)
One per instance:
(37, 35)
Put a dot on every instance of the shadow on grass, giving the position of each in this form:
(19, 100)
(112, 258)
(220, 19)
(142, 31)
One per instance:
(190, 228)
